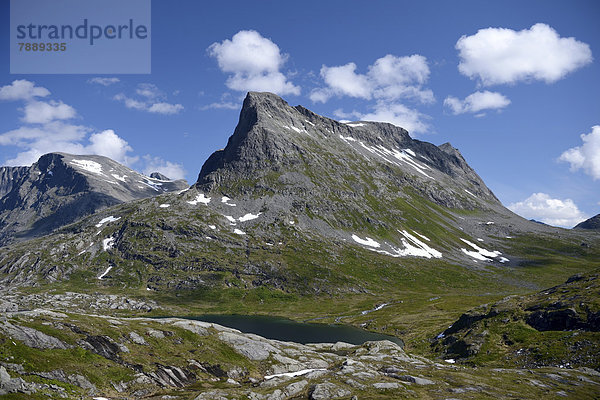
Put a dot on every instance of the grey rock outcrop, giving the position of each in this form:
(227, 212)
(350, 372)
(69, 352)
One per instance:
(32, 337)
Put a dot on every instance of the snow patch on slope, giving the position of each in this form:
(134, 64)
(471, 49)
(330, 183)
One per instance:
(105, 272)
(225, 200)
(200, 198)
(248, 217)
(107, 219)
(88, 165)
(367, 242)
(414, 247)
(482, 254)
(108, 243)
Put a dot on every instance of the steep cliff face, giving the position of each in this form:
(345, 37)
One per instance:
(9, 177)
(61, 188)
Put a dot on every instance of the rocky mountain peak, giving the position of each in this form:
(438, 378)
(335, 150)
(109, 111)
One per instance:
(273, 138)
(159, 176)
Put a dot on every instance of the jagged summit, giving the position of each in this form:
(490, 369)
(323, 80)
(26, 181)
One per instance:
(273, 137)
(61, 188)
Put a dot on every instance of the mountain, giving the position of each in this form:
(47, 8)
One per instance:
(61, 188)
(591, 223)
(294, 203)
(308, 218)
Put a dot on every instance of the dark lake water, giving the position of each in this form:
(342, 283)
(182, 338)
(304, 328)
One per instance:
(292, 331)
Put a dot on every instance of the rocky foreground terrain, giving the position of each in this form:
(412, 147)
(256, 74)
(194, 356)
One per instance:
(47, 354)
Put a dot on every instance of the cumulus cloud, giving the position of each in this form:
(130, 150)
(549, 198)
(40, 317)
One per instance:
(224, 105)
(253, 62)
(148, 90)
(40, 112)
(343, 81)
(476, 102)
(388, 78)
(501, 56)
(22, 89)
(104, 81)
(393, 113)
(107, 143)
(586, 156)
(167, 168)
(150, 99)
(165, 108)
(556, 212)
(58, 136)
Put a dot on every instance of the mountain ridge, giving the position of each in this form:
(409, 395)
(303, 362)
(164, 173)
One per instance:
(592, 223)
(60, 188)
(267, 126)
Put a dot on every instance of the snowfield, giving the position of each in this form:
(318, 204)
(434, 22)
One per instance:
(108, 243)
(367, 242)
(200, 199)
(412, 246)
(106, 220)
(482, 254)
(248, 217)
(88, 165)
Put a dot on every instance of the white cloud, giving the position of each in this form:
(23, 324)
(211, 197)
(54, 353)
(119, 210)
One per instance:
(500, 55)
(165, 108)
(393, 113)
(54, 131)
(46, 131)
(344, 81)
(57, 136)
(254, 62)
(40, 112)
(586, 156)
(104, 81)
(149, 91)
(22, 90)
(227, 105)
(167, 168)
(556, 212)
(476, 102)
(107, 143)
(129, 102)
(150, 102)
(399, 115)
(388, 78)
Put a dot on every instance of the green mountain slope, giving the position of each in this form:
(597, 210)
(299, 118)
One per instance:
(297, 207)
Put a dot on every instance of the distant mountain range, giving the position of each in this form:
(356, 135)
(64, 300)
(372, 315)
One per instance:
(61, 188)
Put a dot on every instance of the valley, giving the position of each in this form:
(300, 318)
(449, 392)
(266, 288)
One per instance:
(309, 219)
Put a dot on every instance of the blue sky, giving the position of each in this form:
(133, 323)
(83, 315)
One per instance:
(513, 85)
